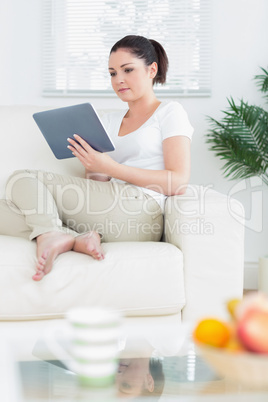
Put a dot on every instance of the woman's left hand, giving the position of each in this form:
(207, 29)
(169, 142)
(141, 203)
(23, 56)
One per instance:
(94, 161)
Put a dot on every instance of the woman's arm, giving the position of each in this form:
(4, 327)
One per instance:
(170, 181)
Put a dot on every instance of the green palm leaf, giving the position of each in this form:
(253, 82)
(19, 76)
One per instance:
(262, 82)
(241, 139)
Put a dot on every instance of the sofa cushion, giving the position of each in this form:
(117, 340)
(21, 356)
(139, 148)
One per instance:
(136, 278)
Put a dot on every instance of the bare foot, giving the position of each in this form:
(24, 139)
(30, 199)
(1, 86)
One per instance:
(49, 246)
(89, 243)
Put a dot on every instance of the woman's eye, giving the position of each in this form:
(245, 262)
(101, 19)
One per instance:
(128, 70)
(112, 74)
(125, 385)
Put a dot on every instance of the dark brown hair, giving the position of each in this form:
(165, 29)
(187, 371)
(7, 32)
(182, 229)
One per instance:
(147, 49)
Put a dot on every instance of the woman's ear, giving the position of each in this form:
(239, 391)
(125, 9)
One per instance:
(149, 382)
(153, 69)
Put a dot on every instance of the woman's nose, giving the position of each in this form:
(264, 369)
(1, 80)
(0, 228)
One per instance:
(119, 78)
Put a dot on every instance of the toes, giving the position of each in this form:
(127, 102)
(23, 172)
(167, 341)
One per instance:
(38, 275)
(95, 253)
(42, 259)
(89, 243)
(41, 267)
(98, 256)
(40, 264)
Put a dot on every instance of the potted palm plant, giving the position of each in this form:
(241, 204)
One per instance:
(240, 138)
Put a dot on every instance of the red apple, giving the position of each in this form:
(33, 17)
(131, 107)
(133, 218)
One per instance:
(252, 331)
(252, 301)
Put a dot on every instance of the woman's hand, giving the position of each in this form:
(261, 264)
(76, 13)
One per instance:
(93, 161)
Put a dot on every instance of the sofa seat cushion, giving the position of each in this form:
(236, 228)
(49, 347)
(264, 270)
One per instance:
(136, 278)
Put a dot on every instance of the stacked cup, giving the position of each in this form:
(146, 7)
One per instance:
(95, 334)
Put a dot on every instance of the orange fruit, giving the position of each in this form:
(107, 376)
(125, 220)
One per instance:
(231, 306)
(213, 332)
(233, 345)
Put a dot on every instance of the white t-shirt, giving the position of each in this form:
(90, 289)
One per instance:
(143, 147)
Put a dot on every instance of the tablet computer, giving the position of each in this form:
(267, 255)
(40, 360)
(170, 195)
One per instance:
(57, 125)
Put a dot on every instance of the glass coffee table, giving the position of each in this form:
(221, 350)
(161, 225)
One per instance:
(156, 364)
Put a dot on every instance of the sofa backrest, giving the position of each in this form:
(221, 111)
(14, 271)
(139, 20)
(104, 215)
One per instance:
(23, 146)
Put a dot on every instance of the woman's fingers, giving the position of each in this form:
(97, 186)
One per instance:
(83, 151)
(78, 144)
(96, 162)
(81, 141)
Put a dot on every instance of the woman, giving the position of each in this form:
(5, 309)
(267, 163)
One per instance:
(121, 198)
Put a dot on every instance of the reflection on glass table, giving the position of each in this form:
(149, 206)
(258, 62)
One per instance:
(163, 366)
(137, 378)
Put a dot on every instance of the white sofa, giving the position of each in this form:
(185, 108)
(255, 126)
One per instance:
(192, 273)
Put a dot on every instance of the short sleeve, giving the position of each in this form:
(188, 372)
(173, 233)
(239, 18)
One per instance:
(174, 121)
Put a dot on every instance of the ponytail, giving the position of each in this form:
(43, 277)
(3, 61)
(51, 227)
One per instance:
(162, 62)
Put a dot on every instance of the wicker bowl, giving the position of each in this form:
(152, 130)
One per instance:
(248, 369)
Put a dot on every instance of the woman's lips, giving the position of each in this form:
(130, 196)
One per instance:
(122, 90)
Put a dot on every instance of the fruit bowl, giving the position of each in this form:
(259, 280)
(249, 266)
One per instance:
(237, 349)
(248, 369)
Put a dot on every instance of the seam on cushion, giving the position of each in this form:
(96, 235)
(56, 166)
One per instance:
(135, 312)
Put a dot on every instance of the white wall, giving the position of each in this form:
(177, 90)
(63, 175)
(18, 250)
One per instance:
(240, 32)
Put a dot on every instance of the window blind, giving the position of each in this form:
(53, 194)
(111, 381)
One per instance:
(78, 36)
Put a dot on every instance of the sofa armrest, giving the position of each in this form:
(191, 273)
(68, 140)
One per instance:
(208, 227)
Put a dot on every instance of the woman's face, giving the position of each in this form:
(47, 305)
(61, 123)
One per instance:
(131, 79)
(133, 377)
